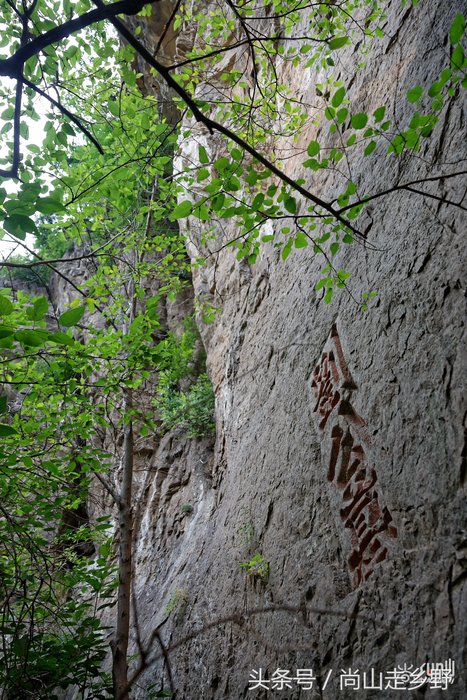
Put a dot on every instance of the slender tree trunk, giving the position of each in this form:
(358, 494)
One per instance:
(125, 521)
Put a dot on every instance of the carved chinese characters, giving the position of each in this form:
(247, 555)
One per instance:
(362, 510)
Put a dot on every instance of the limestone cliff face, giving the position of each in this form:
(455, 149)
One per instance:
(339, 445)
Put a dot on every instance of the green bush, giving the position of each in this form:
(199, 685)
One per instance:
(192, 409)
(184, 396)
(34, 665)
(257, 566)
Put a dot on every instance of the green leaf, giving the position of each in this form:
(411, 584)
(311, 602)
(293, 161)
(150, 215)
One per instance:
(236, 154)
(71, 317)
(415, 94)
(338, 97)
(203, 173)
(61, 338)
(203, 156)
(38, 310)
(338, 42)
(18, 225)
(359, 121)
(257, 201)
(378, 114)
(370, 148)
(445, 75)
(7, 341)
(49, 205)
(334, 247)
(6, 331)
(312, 163)
(313, 148)
(201, 212)
(214, 186)
(341, 115)
(183, 209)
(218, 202)
(113, 107)
(290, 204)
(6, 430)
(435, 88)
(457, 29)
(3, 404)
(301, 241)
(8, 113)
(71, 51)
(232, 184)
(6, 307)
(457, 58)
(31, 338)
(286, 249)
(221, 164)
(320, 284)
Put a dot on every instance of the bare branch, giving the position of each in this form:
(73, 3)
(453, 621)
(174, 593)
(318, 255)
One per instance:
(66, 112)
(238, 619)
(409, 187)
(107, 487)
(167, 25)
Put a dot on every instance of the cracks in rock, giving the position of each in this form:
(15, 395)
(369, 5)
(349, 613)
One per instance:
(350, 636)
(419, 267)
(463, 467)
(447, 378)
(449, 592)
(445, 126)
(268, 516)
(406, 344)
(234, 356)
(261, 290)
(280, 353)
(395, 37)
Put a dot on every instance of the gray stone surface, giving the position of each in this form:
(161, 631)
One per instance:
(265, 490)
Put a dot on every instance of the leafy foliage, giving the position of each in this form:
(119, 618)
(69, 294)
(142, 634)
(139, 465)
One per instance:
(257, 566)
(178, 602)
(192, 409)
(35, 666)
(184, 394)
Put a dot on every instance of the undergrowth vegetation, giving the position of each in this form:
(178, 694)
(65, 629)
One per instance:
(184, 394)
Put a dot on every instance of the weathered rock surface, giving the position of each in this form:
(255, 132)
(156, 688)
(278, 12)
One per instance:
(270, 487)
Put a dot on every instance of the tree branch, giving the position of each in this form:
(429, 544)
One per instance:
(66, 112)
(213, 126)
(166, 28)
(12, 67)
(238, 619)
(408, 186)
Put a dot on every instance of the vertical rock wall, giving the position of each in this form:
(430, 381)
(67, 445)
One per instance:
(339, 445)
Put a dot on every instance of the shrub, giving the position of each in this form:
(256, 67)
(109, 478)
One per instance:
(184, 396)
(257, 566)
(192, 409)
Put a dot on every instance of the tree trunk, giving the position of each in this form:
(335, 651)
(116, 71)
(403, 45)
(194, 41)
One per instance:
(125, 520)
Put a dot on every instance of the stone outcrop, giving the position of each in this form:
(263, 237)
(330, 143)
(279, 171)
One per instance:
(340, 445)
